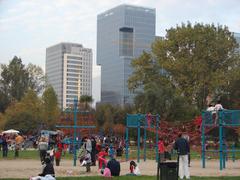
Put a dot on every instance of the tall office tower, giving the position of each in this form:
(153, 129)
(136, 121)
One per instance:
(69, 71)
(122, 34)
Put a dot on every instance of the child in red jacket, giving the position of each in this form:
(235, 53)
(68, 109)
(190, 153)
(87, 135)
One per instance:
(57, 155)
(161, 149)
(101, 158)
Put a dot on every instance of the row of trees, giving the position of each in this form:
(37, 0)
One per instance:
(26, 103)
(32, 113)
(192, 66)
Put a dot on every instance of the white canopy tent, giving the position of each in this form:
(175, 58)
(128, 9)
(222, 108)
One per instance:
(10, 131)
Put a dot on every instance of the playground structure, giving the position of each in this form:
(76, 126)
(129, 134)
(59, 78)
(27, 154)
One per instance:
(167, 130)
(223, 120)
(146, 122)
(75, 125)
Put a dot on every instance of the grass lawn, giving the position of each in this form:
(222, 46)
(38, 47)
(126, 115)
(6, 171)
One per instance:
(30, 154)
(138, 177)
(150, 153)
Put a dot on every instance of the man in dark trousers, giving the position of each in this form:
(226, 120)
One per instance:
(114, 167)
(4, 146)
(93, 153)
(182, 147)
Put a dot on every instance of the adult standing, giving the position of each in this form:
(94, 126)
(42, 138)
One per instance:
(88, 145)
(182, 147)
(18, 143)
(93, 153)
(186, 136)
(1, 142)
(4, 145)
(43, 147)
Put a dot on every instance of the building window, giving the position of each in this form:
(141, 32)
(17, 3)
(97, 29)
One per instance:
(126, 41)
(74, 57)
(74, 62)
(72, 88)
(72, 83)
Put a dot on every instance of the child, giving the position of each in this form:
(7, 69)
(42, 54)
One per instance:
(81, 154)
(107, 172)
(134, 169)
(88, 161)
(161, 149)
(101, 158)
(57, 157)
(48, 171)
(111, 151)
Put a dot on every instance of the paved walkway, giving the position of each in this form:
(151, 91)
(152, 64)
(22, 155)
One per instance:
(26, 168)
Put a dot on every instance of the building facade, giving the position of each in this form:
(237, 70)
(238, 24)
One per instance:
(123, 33)
(69, 71)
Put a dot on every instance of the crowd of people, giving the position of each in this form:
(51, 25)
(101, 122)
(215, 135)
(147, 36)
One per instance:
(14, 141)
(101, 149)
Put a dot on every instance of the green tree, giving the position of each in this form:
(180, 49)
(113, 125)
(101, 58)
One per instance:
(199, 59)
(51, 111)
(14, 79)
(108, 120)
(36, 77)
(191, 63)
(25, 115)
(86, 100)
(107, 115)
(4, 101)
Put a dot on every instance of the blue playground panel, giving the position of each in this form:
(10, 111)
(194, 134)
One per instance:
(142, 119)
(207, 118)
(135, 120)
(228, 117)
(223, 118)
(231, 117)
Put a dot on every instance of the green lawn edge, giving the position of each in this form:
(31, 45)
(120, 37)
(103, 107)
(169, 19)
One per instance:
(133, 177)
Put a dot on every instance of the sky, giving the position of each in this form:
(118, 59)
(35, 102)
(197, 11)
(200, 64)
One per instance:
(28, 27)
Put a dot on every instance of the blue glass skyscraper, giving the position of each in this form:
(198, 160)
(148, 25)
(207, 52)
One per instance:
(122, 34)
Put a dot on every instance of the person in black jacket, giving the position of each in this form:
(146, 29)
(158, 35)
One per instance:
(4, 146)
(93, 152)
(48, 168)
(47, 173)
(183, 149)
(114, 167)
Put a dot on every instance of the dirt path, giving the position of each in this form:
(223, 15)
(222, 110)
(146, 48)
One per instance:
(26, 168)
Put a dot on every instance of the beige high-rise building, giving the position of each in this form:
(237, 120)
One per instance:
(69, 71)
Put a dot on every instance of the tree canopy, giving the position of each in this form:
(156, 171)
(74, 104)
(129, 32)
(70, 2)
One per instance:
(86, 100)
(24, 115)
(51, 111)
(192, 63)
(16, 80)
